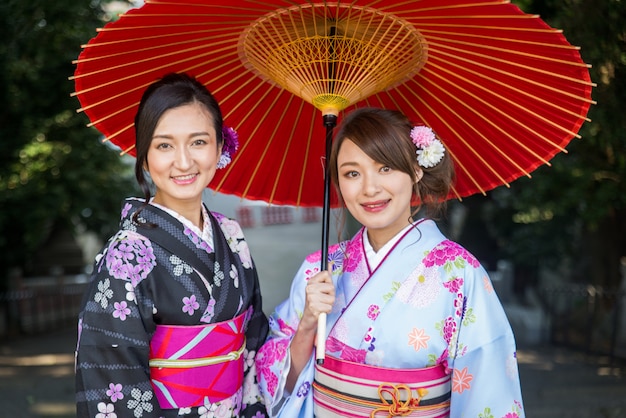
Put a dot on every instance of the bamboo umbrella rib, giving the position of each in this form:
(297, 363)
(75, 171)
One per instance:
(269, 141)
(302, 73)
(445, 43)
(176, 30)
(226, 5)
(127, 150)
(449, 7)
(322, 73)
(237, 87)
(133, 62)
(138, 87)
(306, 158)
(244, 147)
(477, 155)
(112, 114)
(514, 121)
(465, 28)
(505, 115)
(546, 102)
(132, 75)
(225, 64)
(220, 17)
(119, 132)
(487, 120)
(211, 38)
(258, 56)
(458, 161)
(419, 14)
(352, 70)
(549, 103)
(375, 69)
(512, 63)
(287, 146)
(497, 38)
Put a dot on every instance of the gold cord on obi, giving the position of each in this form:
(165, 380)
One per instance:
(395, 407)
(199, 362)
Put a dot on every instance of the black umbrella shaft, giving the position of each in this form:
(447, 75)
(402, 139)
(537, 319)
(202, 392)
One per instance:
(330, 121)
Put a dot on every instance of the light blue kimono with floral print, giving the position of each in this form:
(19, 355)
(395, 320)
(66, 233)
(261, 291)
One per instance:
(428, 302)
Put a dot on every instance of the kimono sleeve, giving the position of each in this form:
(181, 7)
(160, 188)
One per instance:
(255, 336)
(273, 360)
(485, 381)
(115, 325)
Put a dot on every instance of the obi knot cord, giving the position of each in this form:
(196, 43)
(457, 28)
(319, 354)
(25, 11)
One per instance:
(396, 407)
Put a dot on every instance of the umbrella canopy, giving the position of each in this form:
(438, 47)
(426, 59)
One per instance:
(504, 91)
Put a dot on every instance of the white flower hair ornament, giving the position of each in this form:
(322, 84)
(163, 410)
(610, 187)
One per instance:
(430, 150)
(229, 146)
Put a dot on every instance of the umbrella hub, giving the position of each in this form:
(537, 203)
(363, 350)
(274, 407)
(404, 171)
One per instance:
(333, 55)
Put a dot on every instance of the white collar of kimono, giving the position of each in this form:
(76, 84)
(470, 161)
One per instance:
(207, 231)
(375, 257)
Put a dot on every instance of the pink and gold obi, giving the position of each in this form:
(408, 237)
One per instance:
(348, 389)
(189, 363)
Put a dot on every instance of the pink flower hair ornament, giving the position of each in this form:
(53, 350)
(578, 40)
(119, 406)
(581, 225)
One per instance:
(430, 150)
(229, 146)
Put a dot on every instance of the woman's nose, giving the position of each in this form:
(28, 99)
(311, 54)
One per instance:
(183, 158)
(370, 185)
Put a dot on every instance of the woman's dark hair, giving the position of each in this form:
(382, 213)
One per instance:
(384, 135)
(171, 91)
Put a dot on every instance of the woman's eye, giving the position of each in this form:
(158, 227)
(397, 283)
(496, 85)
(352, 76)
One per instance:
(199, 142)
(385, 169)
(351, 174)
(163, 145)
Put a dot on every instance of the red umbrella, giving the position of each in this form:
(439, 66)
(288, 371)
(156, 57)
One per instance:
(504, 91)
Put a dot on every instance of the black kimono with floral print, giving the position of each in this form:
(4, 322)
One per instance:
(162, 274)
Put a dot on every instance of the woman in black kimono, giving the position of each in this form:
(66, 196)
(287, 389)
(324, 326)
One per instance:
(172, 319)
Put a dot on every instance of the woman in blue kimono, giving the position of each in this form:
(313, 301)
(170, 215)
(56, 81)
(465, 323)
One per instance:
(414, 327)
(172, 318)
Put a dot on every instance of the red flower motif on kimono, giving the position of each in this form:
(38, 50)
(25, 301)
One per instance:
(461, 380)
(308, 273)
(271, 379)
(373, 311)
(285, 329)
(315, 257)
(459, 304)
(453, 285)
(333, 344)
(272, 352)
(449, 328)
(449, 251)
(353, 354)
(443, 360)
(353, 255)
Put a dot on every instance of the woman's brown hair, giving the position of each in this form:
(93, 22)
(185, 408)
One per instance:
(384, 135)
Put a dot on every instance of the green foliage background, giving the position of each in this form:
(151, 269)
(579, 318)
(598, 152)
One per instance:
(54, 172)
(573, 214)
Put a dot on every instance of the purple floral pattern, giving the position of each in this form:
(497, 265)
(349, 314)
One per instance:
(131, 259)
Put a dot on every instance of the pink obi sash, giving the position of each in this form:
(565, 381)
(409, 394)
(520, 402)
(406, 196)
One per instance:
(189, 363)
(348, 389)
